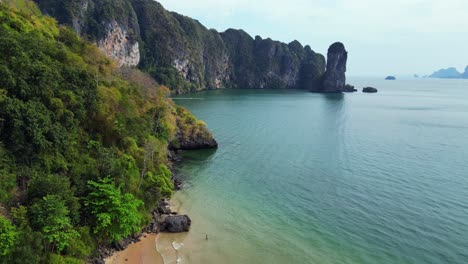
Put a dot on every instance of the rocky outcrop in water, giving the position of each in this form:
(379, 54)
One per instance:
(334, 80)
(197, 143)
(350, 89)
(369, 90)
(183, 54)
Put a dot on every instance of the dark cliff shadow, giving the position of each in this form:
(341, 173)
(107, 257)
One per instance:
(333, 96)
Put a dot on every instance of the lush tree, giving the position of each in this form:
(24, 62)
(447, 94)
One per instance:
(82, 247)
(8, 236)
(41, 186)
(7, 176)
(115, 214)
(59, 259)
(28, 249)
(51, 217)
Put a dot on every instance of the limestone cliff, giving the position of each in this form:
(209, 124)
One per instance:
(112, 24)
(183, 54)
(334, 79)
(117, 45)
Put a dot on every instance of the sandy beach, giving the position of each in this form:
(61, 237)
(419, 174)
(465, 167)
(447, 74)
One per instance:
(143, 252)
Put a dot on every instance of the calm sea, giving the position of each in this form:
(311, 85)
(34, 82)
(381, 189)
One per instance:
(311, 178)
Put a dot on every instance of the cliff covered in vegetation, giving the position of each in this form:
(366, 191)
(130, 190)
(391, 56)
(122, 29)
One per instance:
(84, 145)
(181, 53)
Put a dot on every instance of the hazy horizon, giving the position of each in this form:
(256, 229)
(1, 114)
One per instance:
(383, 38)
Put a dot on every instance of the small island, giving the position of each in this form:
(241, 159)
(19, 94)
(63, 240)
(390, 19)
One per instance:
(450, 73)
(390, 78)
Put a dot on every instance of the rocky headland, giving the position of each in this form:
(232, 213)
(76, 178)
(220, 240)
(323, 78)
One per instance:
(184, 55)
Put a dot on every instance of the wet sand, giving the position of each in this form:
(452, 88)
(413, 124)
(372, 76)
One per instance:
(143, 252)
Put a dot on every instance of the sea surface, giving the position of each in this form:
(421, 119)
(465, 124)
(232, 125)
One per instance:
(313, 178)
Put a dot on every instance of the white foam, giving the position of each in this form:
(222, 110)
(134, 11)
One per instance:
(176, 245)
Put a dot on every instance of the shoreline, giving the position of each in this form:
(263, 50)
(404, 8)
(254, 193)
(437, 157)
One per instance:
(142, 248)
(141, 252)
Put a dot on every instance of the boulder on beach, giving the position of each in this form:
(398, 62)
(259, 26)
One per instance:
(176, 224)
(369, 90)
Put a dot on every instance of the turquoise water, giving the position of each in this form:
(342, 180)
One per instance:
(312, 178)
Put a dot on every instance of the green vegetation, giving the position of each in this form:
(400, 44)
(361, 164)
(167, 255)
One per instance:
(8, 236)
(115, 215)
(51, 217)
(83, 145)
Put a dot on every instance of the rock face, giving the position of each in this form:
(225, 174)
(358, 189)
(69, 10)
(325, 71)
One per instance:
(176, 224)
(183, 54)
(112, 25)
(117, 45)
(334, 80)
(197, 143)
(369, 90)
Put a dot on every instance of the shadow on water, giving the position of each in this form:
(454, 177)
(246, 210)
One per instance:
(198, 155)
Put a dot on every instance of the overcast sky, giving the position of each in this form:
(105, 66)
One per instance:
(382, 37)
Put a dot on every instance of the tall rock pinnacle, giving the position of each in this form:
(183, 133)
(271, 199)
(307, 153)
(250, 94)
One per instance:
(334, 80)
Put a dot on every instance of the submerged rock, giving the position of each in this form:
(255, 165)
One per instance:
(390, 78)
(369, 90)
(176, 224)
(334, 80)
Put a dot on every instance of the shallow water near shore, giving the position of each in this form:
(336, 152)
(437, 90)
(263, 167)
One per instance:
(311, 178)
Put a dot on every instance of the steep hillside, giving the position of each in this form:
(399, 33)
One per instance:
(181, 53)
(84, 146)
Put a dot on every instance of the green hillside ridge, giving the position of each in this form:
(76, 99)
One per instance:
(181, 53)
(83, 144)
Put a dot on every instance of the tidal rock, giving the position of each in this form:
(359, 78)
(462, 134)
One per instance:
(350, 89)
(164, 210)
(390, 78)
(176, 224)
(177, 184)
(163, 207)
(369, 90)
(334, 80)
